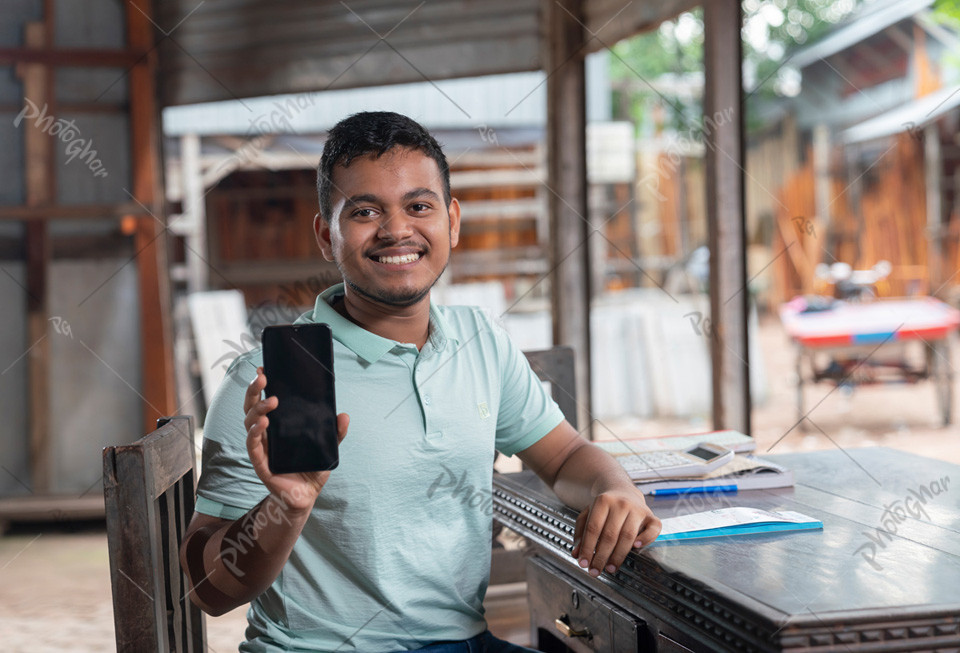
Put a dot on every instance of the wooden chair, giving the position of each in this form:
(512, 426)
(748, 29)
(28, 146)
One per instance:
(149, 489)
(555, 366)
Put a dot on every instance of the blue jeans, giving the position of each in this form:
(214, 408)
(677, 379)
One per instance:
(485, 642)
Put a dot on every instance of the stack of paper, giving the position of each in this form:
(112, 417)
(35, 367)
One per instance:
(734, 521)
(744, 472)
(733, 440)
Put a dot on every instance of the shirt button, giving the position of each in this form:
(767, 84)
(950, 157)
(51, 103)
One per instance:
(426, 399)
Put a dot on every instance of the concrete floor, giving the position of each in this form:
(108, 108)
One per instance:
(55, 587)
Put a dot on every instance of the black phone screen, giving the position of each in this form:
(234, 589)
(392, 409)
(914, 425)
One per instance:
(302, 430)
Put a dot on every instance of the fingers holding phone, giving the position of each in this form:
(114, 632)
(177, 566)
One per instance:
(298, 490)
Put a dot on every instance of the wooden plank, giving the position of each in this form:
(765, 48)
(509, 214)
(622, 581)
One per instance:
(168, 555)
(129, 529)
(153, 276)
(567, 187)
(72, 57)
(34, 508)
(504, 177)
(193, 618)
(165, 456)
(503, 209)
(725, 214)
(70, 211)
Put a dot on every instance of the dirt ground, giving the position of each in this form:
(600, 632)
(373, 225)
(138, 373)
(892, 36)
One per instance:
(55, 586)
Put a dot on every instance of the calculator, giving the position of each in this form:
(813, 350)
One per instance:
(696, 461)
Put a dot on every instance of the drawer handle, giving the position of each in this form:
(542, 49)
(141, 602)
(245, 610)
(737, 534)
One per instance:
(570, 631)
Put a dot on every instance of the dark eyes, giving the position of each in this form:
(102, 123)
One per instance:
(416, 207)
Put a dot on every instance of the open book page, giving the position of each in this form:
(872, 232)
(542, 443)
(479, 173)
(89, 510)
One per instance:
(728, 439)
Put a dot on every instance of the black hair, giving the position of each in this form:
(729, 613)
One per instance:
(374, 132)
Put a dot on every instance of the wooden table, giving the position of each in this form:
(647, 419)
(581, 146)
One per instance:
(865, 342)
(850, 587)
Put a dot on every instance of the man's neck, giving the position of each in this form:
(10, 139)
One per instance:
(404, 324)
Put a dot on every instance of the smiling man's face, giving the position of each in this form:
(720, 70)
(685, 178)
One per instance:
(390, 232)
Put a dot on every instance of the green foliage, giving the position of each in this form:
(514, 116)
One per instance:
(772, 28)
(947, 12)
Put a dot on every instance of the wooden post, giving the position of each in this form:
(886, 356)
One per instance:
(194, 212)
(153, 274)
(723, 127)
(40, 189)
(567, 193)
(933, 170)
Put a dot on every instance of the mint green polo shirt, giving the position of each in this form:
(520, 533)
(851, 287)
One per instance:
(396, 553)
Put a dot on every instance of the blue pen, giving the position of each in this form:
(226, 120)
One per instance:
(674, 491)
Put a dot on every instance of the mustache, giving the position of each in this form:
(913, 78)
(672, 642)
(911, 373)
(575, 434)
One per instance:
(413, 245)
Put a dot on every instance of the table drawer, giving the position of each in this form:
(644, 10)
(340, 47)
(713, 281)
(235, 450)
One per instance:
(565, 615)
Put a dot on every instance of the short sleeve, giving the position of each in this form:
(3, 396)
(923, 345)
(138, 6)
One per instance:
(527, 411)
(228, 486)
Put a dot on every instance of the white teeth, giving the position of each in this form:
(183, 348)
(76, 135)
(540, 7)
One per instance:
(406, 258)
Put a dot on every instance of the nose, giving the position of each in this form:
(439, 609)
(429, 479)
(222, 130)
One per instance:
(395, 225)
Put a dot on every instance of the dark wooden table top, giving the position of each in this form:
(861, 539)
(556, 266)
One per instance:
(889, 552)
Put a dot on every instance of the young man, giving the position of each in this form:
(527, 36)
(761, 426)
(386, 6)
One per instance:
(383, 553)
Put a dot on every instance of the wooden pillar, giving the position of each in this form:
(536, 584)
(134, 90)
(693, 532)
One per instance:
(40, 191)
(723, 135)
(933, 171)
(150, 241)
(563, 59)
(194, 213)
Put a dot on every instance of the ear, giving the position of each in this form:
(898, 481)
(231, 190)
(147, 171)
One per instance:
(321, 229)
(454, 211)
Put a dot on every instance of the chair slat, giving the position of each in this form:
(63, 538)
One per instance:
(149, 491)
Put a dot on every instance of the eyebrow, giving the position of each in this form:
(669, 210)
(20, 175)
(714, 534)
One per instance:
(409, 195)
(420, 192)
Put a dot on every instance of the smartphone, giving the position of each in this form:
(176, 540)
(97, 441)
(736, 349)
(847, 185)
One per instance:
(302, 432)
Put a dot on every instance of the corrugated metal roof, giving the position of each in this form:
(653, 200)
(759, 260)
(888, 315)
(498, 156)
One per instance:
(495, 101)
(871, 20)
(222, 49)
(228, 49)
(909, 117)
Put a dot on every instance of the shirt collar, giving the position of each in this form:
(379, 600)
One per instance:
(368, 346)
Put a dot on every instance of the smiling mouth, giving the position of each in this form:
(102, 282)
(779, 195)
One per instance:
(399, 260)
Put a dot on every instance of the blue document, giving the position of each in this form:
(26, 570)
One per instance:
(734, 521)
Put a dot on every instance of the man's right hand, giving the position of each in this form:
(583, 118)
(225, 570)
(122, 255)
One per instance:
(297, 492)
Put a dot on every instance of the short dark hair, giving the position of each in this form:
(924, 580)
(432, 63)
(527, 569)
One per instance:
(374, 132)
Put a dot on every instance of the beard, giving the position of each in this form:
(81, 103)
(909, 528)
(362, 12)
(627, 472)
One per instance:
(400, 298)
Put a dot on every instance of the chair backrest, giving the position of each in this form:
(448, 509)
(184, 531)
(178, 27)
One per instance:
(149, 488)
(556, 366)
